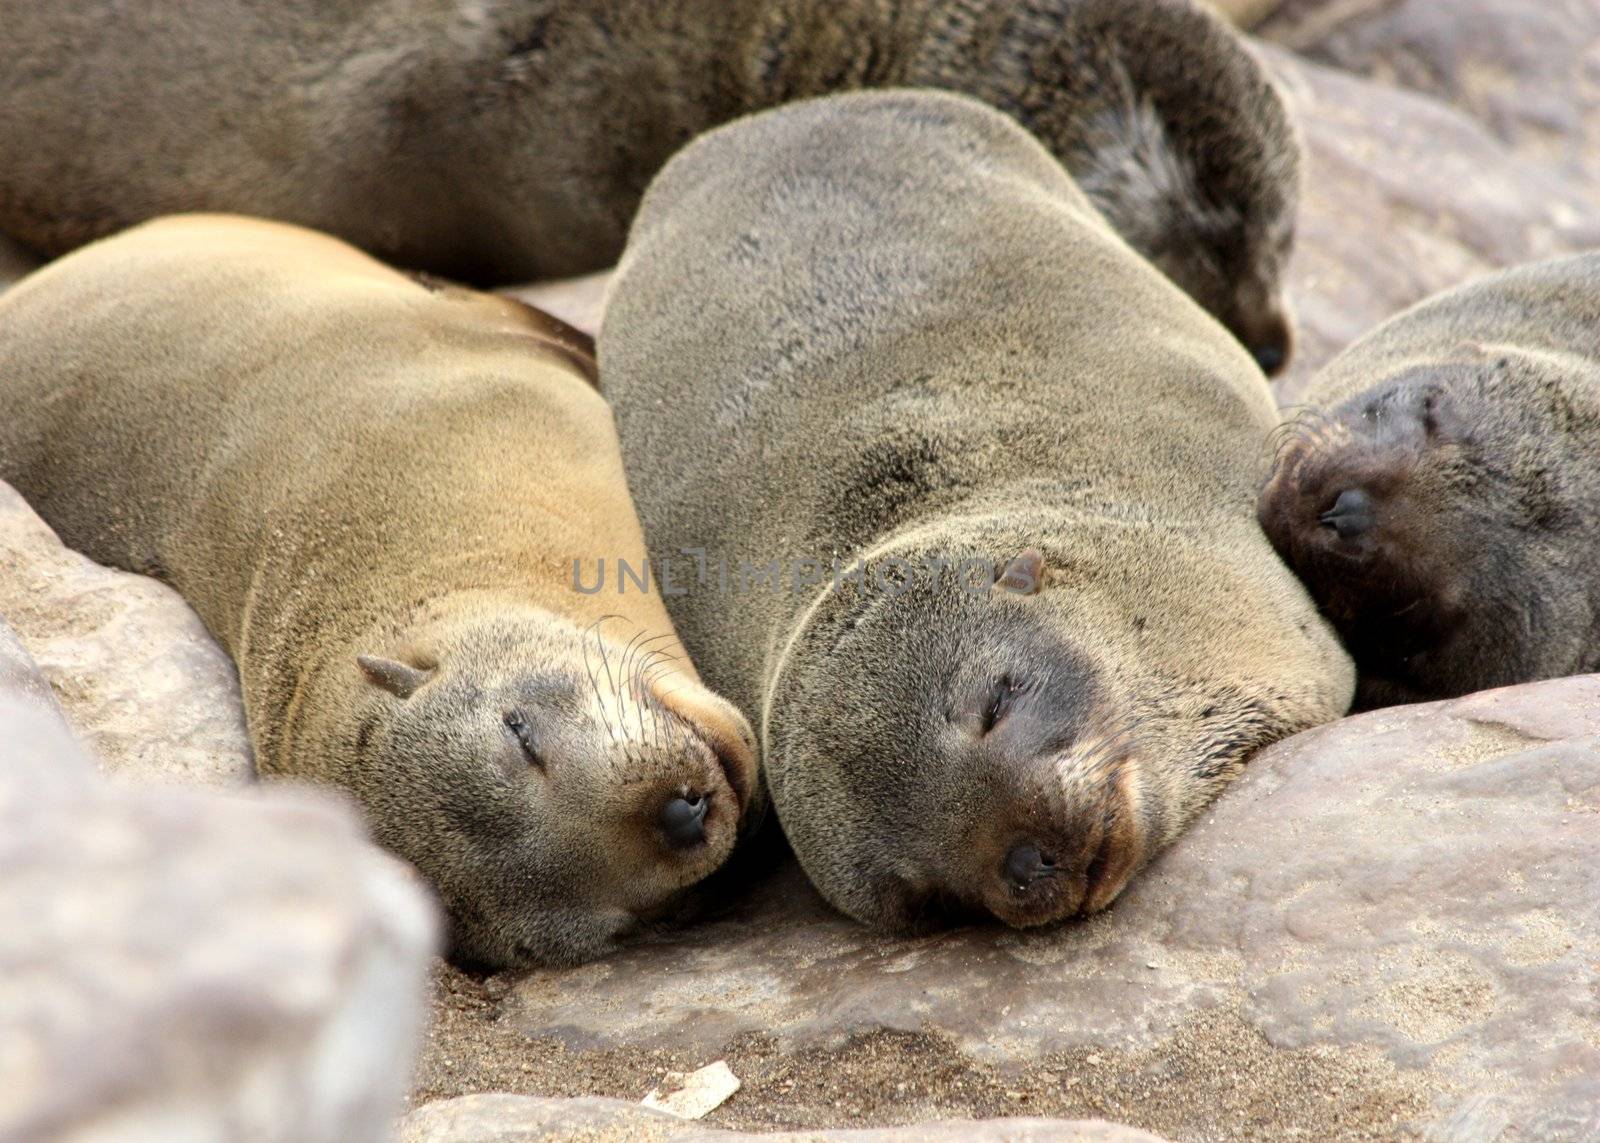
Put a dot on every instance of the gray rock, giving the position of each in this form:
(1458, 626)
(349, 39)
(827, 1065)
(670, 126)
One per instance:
(580, 302)
(140, 679)
(1404, 196)
(188, 965)
(500, 1118)
(33, 728)
(1391, 923)
(1529, 72)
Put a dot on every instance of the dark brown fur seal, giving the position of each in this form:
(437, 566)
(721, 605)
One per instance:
(888, 330)
(504, 142)
(373, 492)
(1440, 496)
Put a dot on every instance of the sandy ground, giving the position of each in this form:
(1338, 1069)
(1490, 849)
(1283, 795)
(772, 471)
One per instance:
(1247, 1090)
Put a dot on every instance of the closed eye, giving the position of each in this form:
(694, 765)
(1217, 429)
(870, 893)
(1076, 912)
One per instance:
(999, 704)
(523, 733)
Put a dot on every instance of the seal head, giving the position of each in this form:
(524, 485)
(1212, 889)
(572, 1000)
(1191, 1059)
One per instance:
(558, 786)
(1431, 519)
(983, 764)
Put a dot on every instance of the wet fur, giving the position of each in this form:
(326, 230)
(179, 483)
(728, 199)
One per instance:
(329, 460)
(883, 326)
(507, 141)
(1473, 422)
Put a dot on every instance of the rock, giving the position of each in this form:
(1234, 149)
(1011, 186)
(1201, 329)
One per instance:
(499, 1118)
(192, 965)
(1404, 196)
(1389, 925)
(139, 677)
(579, 302)
(1530, 73)
(32, 726)
(503, 1118)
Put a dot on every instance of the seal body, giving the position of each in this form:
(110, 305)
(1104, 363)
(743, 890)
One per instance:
(372, 492)
(510, 141)
(869, 351)
(1440, 493)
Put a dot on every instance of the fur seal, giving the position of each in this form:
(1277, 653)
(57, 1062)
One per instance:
(502, 143)
(863, 351)
(372, 492)
(1440, 497)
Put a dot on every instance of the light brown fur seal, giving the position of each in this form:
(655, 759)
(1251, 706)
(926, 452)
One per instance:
(1440, 495)
(887, 326)
(500, 141)
(373, 493)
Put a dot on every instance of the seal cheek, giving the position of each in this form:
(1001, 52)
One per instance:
(1125, 845)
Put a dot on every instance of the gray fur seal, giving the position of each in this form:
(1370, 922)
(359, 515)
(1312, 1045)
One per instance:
(869, 350)
(1440, 495)
(372, 491)
(505, 142)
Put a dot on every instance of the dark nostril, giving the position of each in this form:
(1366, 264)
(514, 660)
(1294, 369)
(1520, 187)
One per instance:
(1351, 514)
(1270, 357)
(1025, 864)
(683, 819)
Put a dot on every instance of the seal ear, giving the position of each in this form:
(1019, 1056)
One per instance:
(399, 679)
(1024, 575)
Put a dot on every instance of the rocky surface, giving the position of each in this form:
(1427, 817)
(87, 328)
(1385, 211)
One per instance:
(1444, 141)
(1528, 71)
(579, 302)
(523, 1119)
(1389, 926)
(140, 679)
(1406, 196)
(182, 964)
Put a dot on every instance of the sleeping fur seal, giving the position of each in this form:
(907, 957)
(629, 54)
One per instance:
(865, 352)
(373, 492)
(509, 141)
(1440, 496)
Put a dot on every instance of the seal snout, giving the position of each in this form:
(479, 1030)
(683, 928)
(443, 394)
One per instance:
(1351, 515)
(683, 819)
(1266, 331)
(1026, 864)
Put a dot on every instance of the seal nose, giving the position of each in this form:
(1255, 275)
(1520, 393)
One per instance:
(683, 819)
(1025, 864)
(1351, 514)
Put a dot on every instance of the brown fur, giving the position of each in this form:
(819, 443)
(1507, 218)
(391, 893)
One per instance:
(511, 140)
(372, 493)
(1464, 440)
(889, 326)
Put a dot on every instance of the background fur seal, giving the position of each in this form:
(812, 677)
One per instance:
(505, 142)
(1441, 495)
(886, 327)
(373, 493)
